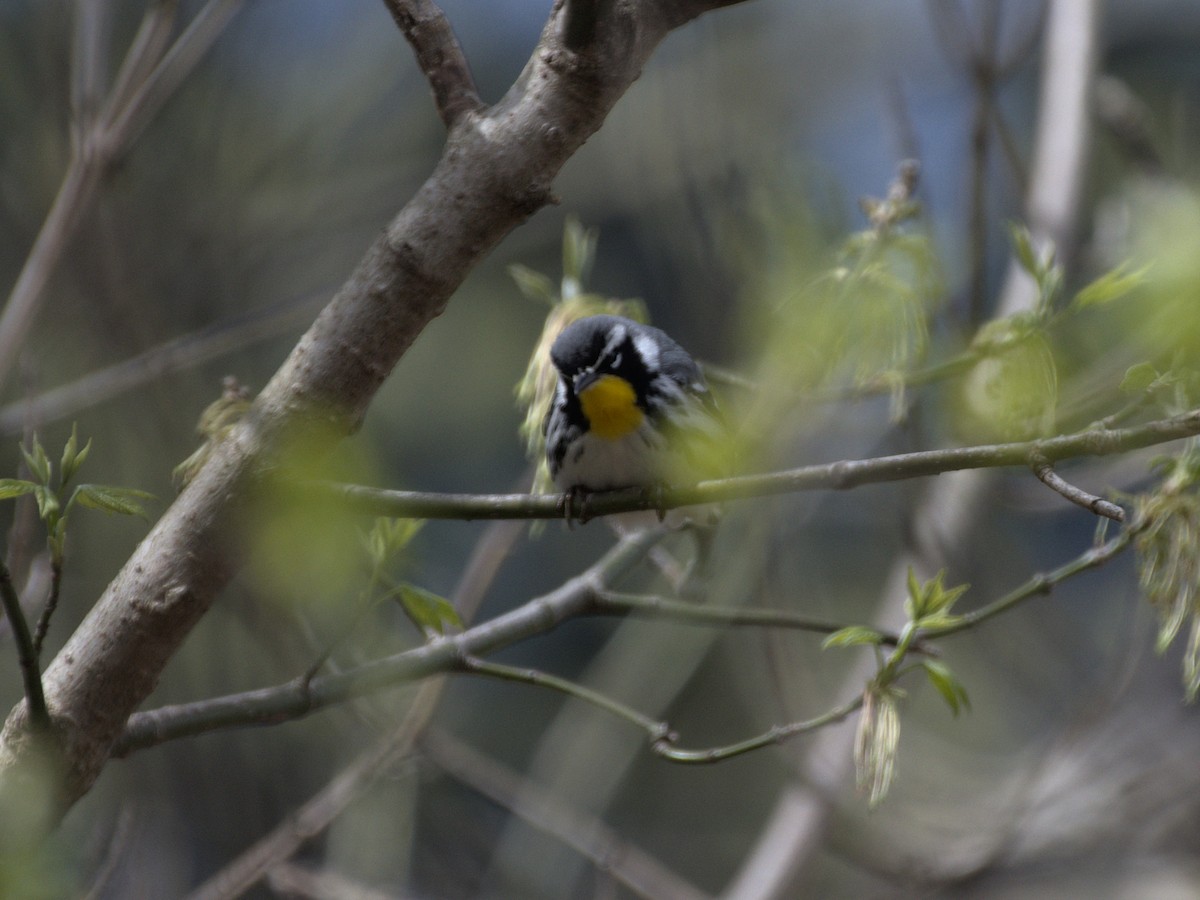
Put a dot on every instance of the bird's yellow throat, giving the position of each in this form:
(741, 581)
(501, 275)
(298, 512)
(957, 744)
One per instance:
(610, 404)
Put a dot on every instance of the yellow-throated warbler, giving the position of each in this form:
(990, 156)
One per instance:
(631, 409)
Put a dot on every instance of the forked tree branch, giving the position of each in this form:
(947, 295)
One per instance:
(496, 171)
(586, 594)
(302, 696)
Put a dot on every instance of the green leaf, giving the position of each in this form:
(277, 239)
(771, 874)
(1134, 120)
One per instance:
(1138, 378)
(931, 601)
(1022, 242)
(1110, 286)
(120, 500)
(15, 487)
(48, 505)
(947, 685)
(427, 610)
(914, 599)
(853, 635)
(389, 537)
(939, 621)
(533, 284)
(579, 249)
(73, 457)
(37, 461)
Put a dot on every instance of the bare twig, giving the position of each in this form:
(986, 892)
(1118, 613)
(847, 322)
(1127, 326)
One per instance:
(771, 737)
(841, 475)
(284, 840)
(170, 356)
(131, 113)
(546, 811)
(138, 93)
(444, 654)
(48, 608)
(1043, 469)
(27, 657)
(615, 603)
(1038, 585)
(659, 733)
(440, 57)
(312, 818)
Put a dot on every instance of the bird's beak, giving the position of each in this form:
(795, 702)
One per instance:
(584, 380)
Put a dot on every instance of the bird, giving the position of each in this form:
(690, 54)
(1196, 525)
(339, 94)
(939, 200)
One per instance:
(631, 409)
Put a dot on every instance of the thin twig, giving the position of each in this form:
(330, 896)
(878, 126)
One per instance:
(48, 608)
(315, 816)
(616, 603)
(841, 475)
(27, 656)
(655, 730)
(132, 102)
(309, 820)
(776, 735)
(439, 56)
(660, 735)
(173, 355)
(147, 96)
(1038, 585)
(546, 811)
(296, 699)
(1045, 472)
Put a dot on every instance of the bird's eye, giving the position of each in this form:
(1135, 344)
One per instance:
(615, 362)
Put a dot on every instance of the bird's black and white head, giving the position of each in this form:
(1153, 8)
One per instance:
(625, 393)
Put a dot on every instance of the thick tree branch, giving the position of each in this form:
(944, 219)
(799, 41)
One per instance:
(496, 171)
(840, 475)
(440, 57)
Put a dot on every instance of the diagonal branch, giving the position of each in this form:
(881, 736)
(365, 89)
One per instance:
(298, 698)
(497, 170)
(440, 57)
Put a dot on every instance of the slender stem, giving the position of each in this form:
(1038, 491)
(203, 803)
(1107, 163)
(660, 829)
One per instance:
(662, 738)
(43, 622)
(298, 698)
(73, 199)
(776, 735)
(549, 812)
(27, 656)
(1101, 507)
(1038, 585)
(655, 730)
(615, 603)
(841, 475)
